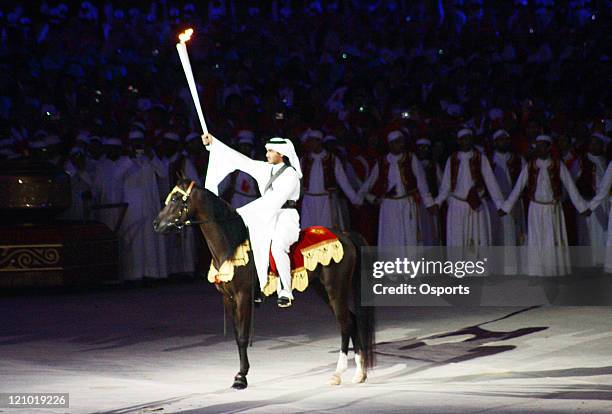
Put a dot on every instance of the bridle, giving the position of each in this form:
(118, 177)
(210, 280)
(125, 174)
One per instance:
(182, 220)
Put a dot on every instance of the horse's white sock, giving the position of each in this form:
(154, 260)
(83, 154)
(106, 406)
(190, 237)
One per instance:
(342, 363)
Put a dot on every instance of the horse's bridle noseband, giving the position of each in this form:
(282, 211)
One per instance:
(181, 220)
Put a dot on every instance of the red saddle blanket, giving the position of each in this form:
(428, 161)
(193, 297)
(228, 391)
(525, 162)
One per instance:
(310, 238)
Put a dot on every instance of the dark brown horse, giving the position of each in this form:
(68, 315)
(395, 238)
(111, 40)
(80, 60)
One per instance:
(338, 283)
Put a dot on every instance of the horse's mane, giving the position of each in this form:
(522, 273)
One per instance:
(231, 225)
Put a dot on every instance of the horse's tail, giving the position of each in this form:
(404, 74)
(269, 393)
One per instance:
(364, 314)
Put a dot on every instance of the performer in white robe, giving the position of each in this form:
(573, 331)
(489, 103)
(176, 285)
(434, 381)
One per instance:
(396, 182)
(80, 186)
(143, 251)
(324, 173)
(510, 230)
(603, 196)
(109, 181)
(179, 246)
(272, 220)
(592, 229)
(547, 253)
(239, 188)
(466, 176)
(429, 223)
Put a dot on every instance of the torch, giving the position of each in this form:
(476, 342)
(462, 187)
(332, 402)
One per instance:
(182, 51)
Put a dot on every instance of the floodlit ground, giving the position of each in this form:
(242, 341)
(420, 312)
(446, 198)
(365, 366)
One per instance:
(162, 349)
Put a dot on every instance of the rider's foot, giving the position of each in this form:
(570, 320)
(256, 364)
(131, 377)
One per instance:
(284, 302)
(259, 297)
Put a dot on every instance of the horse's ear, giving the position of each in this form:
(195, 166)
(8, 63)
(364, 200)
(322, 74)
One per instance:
(180, 176)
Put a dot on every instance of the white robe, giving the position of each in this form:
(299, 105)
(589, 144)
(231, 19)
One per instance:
(398, 217)
(603, 196)
(466, 227)
(143, 250)
(108, 188)
(429, 224)
(547, 253)
(179, 246)
(270, 227)
(509, 230)
(320, 207)
(592, 229)
(80, 182)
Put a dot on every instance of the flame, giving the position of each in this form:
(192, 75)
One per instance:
(186, 35)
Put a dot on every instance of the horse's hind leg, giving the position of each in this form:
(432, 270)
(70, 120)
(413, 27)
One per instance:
(336, 298)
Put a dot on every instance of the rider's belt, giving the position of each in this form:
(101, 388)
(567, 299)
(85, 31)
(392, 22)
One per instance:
(290, 204)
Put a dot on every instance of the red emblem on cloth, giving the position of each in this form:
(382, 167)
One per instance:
(308, 238)
(244, 186)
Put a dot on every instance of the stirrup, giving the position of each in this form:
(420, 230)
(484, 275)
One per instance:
(284, 302)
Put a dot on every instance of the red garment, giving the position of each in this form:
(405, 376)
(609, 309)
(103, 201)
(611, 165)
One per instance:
(309, 237)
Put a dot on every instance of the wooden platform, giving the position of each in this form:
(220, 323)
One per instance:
(59, 253)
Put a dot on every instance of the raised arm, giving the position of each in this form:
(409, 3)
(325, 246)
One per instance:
(224, 160)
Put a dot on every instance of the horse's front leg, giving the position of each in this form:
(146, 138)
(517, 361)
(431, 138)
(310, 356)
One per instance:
(242, 325)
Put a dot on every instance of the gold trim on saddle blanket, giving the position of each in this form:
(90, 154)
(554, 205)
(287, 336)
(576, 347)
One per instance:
(226, 272)
(322, 252)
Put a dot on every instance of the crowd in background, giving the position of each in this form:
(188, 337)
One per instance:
(97, 88)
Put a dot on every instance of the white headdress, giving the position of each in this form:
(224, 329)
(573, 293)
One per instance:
(285, 147)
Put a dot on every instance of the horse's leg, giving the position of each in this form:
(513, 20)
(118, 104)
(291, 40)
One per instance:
(360, 373)
(242, 325)
(336, 297)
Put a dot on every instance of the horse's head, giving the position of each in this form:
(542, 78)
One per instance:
(179, 208)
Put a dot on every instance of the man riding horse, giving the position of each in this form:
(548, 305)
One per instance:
(273, 220)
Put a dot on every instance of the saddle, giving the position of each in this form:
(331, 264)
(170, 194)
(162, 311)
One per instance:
(316, 245)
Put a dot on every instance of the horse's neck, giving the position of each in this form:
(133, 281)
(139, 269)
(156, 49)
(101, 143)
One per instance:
(215, 237)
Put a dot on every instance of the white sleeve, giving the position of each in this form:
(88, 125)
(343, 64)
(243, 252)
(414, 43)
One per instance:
(225, 160)
(570, 186)
(370, 180)
(343, 181)
(604, 189)
(445, 185)
(491, 182)
(521, 182)
(419, 174)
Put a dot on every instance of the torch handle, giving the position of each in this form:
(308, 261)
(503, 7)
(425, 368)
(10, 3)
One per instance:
(182, 51)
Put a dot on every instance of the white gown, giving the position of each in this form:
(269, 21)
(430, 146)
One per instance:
(143, 250)
(270, 227)
(547, 253)
(321, 208)
(603, 196)
(466, 227)
(398, 221)
(592, 229)
(108, 188)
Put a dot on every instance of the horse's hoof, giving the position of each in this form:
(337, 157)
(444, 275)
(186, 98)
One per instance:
(358, 379)
(240, 382)
(335, 380)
